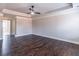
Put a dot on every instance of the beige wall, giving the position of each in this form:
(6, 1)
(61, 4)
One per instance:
(23, 26)
(65, 27)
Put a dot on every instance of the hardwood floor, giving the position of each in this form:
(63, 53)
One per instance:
(33, 45)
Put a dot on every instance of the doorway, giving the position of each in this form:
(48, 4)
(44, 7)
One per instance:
(8, 36)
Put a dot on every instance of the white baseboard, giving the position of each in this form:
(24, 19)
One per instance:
(70, 41)
(21, 35)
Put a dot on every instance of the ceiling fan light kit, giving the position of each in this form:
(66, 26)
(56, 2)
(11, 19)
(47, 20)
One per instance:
(32, 13)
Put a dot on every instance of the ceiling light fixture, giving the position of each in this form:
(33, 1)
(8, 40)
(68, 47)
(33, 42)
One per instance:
(32, 11)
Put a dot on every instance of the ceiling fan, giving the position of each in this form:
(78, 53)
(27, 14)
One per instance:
(32, 12)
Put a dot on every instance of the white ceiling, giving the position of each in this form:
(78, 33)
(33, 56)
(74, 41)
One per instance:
(40, 7)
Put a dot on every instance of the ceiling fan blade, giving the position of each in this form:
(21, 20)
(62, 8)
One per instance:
(37, 12)
(28, 13)
(30, 9)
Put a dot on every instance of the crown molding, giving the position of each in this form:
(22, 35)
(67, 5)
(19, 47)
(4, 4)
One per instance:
(61, 12)
(15, 13)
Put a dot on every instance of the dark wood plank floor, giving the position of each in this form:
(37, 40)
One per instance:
(33, 45)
